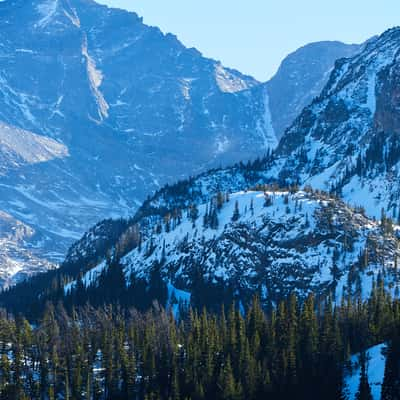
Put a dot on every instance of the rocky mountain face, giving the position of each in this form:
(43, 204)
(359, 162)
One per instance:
(97, 110)
(21, 254)
(347, 139)
(301, 77)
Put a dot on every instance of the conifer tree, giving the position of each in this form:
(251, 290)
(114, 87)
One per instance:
(364, 389)
(236, 213)
(391, 380)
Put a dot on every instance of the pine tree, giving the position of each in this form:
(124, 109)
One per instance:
(391, 380)
(364, 389)
(220, 200)
(236, 213)
(252, 207)
(193, 213)
(226, 384)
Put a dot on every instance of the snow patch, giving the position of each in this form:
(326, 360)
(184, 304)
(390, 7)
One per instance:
(375, 368)
(73, 17)
(177, 297)
(265, 127)
(227, 82)
(95, 78)
(222, 145)
(88, 278)
(185, 87)
(28, 147)
(47, 10)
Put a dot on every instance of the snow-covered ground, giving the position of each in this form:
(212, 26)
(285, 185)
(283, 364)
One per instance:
(177, 298)
(18, 259)
(375, 370)
(299, 241)
(329, 145)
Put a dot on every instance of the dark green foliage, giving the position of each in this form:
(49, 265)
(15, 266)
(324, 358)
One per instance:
(294, 351)
(391, 380)
(364, 389)
(236, 213)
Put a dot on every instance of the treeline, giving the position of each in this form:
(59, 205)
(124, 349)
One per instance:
(295, 351)
(380, 157)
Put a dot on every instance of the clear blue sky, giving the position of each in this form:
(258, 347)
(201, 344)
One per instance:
(254, 35)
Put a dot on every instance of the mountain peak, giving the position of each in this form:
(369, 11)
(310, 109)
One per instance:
(51, 10)
(345, 140)
(296, 84)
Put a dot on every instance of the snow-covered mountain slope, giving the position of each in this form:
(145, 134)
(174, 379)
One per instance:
(21, 251)
(271, 243)
(347, 139)
(81, 83)
(19, 148)
(334, 140)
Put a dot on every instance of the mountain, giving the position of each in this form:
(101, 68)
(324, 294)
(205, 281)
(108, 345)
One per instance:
(301, 77)
(280, 247)
(98, 110)
(272, 241)
(347, 139)
(346, 136)
(119, 109)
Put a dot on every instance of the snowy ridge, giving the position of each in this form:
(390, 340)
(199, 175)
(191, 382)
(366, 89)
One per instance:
(279, 242)
(346, 123)
(229, 82)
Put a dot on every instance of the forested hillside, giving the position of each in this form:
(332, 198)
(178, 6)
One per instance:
(298, 350)
(268, 241)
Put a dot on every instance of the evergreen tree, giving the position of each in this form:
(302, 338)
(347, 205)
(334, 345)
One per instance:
(364, 389)
(391, 380)
(236, 213)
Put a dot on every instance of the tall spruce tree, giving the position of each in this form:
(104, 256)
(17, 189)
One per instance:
(364, 389)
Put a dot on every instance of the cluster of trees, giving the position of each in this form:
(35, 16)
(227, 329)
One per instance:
(381, 156)
(296, 350)
(188, 191)
(391, 379)
(383, 152)
(210, 218)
